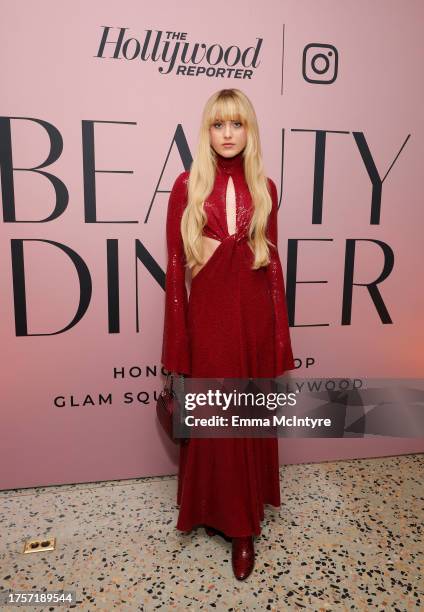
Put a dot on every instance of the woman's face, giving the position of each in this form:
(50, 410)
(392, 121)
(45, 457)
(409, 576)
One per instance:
(228, 137)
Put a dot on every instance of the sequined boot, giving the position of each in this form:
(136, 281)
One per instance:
(243, 557)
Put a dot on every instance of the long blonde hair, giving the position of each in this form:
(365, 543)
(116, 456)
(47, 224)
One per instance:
(227, 105)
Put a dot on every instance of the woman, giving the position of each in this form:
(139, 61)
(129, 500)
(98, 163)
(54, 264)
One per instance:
(222, 226)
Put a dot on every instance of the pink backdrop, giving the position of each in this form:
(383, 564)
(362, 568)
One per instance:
(130, 110)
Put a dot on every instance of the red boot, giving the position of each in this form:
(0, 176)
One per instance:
(243, 557)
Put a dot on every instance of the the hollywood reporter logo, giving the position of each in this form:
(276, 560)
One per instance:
(173, 51)
(320, 63)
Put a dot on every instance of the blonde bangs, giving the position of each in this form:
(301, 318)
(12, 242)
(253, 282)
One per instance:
(227, 108)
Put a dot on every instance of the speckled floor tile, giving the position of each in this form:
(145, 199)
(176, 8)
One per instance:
(348, 536)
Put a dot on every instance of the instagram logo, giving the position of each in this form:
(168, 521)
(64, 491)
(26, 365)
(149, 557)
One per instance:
(319, 63)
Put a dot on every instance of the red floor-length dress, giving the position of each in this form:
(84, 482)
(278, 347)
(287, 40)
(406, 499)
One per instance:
(234, 325)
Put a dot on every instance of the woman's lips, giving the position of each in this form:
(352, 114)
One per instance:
(228, 145)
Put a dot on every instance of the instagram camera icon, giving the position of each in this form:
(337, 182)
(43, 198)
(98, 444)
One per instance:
(319, 63)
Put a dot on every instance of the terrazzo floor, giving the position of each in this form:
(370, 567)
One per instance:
(348, 536)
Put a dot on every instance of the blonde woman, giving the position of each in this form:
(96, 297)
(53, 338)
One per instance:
(222, 227)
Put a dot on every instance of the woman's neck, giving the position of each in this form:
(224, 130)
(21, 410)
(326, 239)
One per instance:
(230, 164)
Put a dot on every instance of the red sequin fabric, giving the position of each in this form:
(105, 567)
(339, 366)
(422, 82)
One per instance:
(233, 293)
(233, 324)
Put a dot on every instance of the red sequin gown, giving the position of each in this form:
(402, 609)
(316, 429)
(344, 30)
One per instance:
(233, 325)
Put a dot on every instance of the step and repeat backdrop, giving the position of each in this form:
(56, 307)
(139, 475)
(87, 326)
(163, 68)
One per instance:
(100, 107)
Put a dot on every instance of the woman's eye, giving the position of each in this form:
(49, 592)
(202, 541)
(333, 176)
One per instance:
(218, 124)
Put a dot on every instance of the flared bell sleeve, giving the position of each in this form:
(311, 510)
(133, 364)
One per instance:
(283, 349)
(176, 346)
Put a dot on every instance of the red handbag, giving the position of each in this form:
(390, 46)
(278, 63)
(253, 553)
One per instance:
(167, 406)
